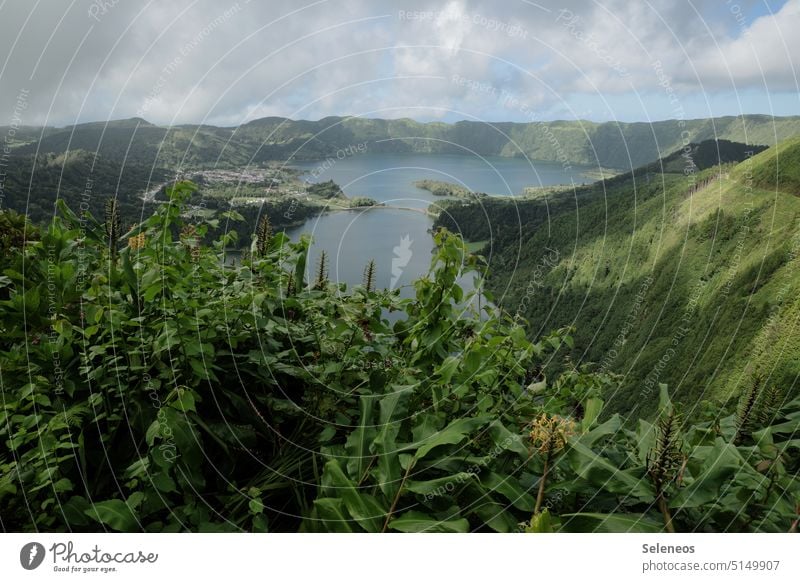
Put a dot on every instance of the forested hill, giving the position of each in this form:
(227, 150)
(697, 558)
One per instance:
(135, 141)
(92, 161)
(610, 145)
(689, 280)
(84, 180)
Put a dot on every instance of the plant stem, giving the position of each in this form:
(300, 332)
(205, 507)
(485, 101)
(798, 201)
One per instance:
(366, 472)
(662, 505)
(397, 497)
(542, 481)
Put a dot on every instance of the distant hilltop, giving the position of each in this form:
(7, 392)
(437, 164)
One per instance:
(622, 146)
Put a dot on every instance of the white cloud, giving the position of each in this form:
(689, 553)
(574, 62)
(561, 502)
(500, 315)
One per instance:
(762, 55)
(232, 61)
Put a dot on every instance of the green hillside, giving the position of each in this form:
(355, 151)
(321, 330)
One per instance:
(33, 183)
(135, 141)
(704, 155)
(688, 281)
(777, 168)
(608, 145)
(148, 385)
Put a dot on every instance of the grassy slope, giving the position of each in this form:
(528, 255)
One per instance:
(710, 268)
(777, 168)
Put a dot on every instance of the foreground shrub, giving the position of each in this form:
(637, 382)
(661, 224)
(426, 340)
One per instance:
(149, 384)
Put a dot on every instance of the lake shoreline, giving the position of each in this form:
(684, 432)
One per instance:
(400, 242)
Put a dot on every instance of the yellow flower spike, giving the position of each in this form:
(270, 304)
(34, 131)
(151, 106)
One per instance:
(549, 434)
(136, 242)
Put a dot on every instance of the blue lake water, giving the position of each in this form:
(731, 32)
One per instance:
(390, 178)
(398, 240)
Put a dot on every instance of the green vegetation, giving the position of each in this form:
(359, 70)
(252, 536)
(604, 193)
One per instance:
(362, 202)
(15, 231)
(84, 164)
(84, 180)
(599, 174)
(135, 141)
(601, 145)
(439, 188)
(547, 191)
(326, 190)
(777, 168)
(149, 386)
(689, 280)
(32, 184)
(704, 155)
(476, 247)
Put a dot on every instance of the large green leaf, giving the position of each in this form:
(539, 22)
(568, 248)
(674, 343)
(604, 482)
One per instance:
(645, 440)
(89, 226)
(300, 266)
(601, 474)
(114, 513)
(609, 428)
(76, 511)
(427, 425)
(664, 401)
(448, 368)
(540, 522)
(508, 486)
(452, 434)
(441, 485)
(496, 516)
(415, 522)
(720, 463)
(504, 439)
(331, 516)
(592, 409)
(360, 439)
(393, 409)
(364, 509)
(130, 275)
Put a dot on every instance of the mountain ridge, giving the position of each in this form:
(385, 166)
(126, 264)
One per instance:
(619, 145)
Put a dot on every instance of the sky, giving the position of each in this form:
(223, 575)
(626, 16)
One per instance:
(225, 63)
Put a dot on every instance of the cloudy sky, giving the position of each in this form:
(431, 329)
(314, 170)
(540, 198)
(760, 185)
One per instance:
(224, 63)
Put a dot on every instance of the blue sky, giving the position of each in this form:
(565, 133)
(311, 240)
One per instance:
(230, 61)
(750, 11)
